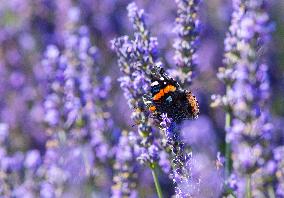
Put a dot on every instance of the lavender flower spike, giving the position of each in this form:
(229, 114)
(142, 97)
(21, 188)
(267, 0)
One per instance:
(125, 177)
(278, 157)
(182, 160)
(144, 44)
(187, 29)
(136, 59)
(247, 94)
(77, 118)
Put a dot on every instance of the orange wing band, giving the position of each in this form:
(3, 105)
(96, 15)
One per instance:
(167, 89)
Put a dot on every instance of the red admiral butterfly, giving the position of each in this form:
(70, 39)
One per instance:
(168, 97)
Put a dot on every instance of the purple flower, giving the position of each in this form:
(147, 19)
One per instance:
(4, 133)
(187, 29)
(136, 58)
(57, 135)
(245, 77)
(78, 121)
(18, 169)
(32, 159)
(278, 160)
(13, 163)
(186, 184)
(232, 182)
(47, 190)
(55, 85)
(125, 178)
(71, 101)
(164, 162)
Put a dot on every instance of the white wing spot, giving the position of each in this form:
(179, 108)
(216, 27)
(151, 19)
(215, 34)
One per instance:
(154, 83)
(162, 78)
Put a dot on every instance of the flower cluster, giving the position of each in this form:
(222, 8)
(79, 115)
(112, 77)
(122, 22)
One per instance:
(12, 165)
(187, 28)
(182, 160)
(65, 128)
(125, 179)
(245, 76)
(140, 56)
(136, 59)
(278, 157)
(77, 122)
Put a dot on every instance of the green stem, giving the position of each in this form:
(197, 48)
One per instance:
(271, 192)
(248, 187)
(227, 147)
(156, 181)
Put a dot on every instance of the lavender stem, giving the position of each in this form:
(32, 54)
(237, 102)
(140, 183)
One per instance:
(227, 145)
(248, 186)
(156, 181)
(271, 192)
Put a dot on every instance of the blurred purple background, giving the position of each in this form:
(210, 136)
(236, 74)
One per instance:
(34, 35)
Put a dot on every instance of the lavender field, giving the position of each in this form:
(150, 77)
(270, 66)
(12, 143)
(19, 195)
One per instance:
(145, 98)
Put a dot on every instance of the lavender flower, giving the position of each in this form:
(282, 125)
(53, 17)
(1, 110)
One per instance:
(18, 91)
(18, 169)
(136, 59)
(145, 45)
(52, 102)
(187, 185)
(135, 62)
(4, 132)
(57, 135)
(32, 160)
(247, 90)
(72, 89)
(77, 121)
(278, 157)
(125, 179)
(187, 28)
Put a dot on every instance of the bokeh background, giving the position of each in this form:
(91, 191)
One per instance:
(28, 27)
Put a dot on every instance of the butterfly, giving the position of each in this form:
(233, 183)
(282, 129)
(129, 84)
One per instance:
(168, 97)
